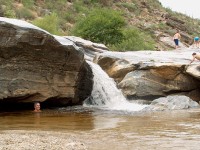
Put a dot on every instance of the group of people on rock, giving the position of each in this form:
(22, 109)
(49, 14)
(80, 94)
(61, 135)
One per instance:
(196, 43)
(177, 37)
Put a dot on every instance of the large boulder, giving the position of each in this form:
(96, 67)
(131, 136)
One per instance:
(37, 66)
(172, 103)
(156, 82)
(152, 74)
(89, 48)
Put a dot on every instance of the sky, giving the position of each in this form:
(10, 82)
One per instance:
(189, 7)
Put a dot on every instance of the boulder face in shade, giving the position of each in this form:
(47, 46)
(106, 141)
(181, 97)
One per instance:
(37, 66)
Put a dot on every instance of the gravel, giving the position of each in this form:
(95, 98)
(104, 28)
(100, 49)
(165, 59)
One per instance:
(39, 140)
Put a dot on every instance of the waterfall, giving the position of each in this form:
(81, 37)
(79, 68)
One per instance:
(105, 93)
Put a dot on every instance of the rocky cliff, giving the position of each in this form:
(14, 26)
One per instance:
(37, 66)
(153, 74)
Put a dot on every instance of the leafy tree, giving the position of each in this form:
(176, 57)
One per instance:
(101, 26)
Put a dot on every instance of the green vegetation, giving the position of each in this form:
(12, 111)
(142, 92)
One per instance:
(132, 7)
(6, 2)
(133, 25)
(28, 3)
(9, 13)
(24, 13)
(49, 23)
(6, 8)
(101, 2)
(102, 26)
(135, 40)
(129, 6)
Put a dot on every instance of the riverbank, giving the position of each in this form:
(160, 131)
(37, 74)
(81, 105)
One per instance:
(32, 140)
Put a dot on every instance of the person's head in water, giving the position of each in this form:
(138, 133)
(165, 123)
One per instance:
(37, 107)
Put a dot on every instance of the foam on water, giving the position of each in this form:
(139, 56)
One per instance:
(106, 95)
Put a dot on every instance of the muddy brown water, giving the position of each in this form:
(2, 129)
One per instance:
(105, 130)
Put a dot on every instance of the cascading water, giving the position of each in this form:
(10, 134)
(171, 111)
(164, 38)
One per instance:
(106, 95)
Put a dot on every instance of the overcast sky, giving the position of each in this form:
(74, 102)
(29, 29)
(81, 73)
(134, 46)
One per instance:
(189, 7)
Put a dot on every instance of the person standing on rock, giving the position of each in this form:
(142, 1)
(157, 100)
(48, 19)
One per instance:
(195, 56)
(196, 42)
(176, 39)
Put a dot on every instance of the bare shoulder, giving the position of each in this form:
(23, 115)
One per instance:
(197, 56)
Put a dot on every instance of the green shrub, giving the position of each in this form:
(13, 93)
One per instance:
(28, 3)
(9, 13)
(80, 8)
(103, 2)
(55, 5)
(130, 6)
(101, 26)
(134, 39)
(49, 23)
(7, 9)
(24, 13)
(159, 26)
(6, 2)
(69, 17)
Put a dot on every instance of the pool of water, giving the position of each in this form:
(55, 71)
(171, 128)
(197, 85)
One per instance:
(115, 130)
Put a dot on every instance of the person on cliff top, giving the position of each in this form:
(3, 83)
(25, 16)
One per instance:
(37, 107)
(176, 39)
(196, 42)
(195, 56)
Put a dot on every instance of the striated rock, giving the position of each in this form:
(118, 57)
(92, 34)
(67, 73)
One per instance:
(169, 17)
(154, 83)
(37, 66)
(116, 68)
(153, 74)
(172, 103)
(89, 48)
(187, 39)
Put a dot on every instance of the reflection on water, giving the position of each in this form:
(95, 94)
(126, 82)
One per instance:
(46, 120)
(111, 130)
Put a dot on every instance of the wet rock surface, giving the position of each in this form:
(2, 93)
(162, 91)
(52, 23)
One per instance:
(153, 74)
(172, 103)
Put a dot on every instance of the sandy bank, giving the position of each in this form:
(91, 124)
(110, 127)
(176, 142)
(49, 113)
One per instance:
(40, 140)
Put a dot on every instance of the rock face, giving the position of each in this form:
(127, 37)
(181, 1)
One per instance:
(172, 103)
(152, 74)
(89, 48)
(194, 70)
(37, 66)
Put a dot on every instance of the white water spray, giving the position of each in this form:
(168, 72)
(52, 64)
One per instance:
(106, 95)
